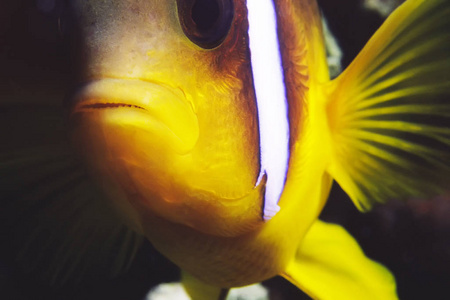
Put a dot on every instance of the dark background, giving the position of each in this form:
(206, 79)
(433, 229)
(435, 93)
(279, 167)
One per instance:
(413, 239)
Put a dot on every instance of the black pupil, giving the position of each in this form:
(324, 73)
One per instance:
(205, 14)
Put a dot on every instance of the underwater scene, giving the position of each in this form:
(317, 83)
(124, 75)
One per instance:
(136, 140)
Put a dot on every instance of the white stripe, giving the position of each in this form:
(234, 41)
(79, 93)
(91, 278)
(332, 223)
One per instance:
(271, 100)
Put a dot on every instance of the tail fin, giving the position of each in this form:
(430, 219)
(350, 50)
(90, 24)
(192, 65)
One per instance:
(389, 112)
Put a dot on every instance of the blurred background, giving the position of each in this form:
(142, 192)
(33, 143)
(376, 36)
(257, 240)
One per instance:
(413, 239)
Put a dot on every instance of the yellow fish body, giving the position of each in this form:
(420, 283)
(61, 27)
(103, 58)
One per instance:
(178, 123)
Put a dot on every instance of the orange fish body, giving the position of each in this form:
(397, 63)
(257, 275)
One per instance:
(214, 131)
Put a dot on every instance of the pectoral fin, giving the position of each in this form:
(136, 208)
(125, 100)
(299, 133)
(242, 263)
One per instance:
(330, 265)
(53, 218)
(389, 112)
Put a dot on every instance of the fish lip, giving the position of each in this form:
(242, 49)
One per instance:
(108, 105)
(158, 102)
(92, 96)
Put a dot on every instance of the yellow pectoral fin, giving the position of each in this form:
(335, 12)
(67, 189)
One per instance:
(389, 112)
(330, 265)
(199, 290)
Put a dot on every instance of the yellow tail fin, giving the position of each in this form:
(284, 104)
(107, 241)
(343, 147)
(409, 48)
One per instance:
(389, 112)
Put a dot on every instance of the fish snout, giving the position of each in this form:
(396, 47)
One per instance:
(151, 108)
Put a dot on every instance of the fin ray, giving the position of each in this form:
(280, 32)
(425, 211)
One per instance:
(389, 112)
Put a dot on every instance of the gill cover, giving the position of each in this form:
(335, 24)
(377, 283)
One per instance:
(167, 116)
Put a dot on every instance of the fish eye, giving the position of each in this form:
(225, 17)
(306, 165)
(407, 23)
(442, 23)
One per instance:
(206, 22)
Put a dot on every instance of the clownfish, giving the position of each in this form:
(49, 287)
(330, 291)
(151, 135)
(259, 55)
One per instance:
(212, 129)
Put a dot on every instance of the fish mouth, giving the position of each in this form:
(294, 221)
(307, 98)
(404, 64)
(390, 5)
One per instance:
(108, 105)
(123, 93)
(151, 106)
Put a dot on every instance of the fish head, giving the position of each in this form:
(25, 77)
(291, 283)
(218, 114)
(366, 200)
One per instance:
(166, 115)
